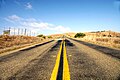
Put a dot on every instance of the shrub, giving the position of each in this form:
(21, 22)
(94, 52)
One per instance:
(104, 35)
(79, 35)
(44, 37)
(40, 35)
(49, 36)
(117, 41)
(102, 39)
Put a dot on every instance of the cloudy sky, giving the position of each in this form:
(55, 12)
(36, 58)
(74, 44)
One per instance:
(60, 16)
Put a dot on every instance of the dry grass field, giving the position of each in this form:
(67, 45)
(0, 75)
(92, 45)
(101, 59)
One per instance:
(104, 38)
(105, 41)
(10, 42)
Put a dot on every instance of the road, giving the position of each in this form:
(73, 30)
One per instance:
(85, 62)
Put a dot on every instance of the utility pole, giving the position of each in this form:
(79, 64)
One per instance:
(25, 32)
(9, 31)
(18, 31)
(21, 31)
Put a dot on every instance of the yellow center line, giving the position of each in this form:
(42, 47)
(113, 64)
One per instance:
(66, 73)
(56, 67)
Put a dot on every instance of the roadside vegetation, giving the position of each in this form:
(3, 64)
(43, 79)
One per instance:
(12, 42)
(79, 35)
(43, 36)
(50, 37)
(103, 38)
(8, 41)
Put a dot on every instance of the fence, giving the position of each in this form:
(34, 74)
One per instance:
(17, 31)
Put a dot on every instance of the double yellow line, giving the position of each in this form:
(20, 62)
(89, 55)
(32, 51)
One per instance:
(66, 73)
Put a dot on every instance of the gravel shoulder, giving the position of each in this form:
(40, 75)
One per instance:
(87, 63)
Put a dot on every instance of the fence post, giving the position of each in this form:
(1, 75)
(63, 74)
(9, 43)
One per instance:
(25, 32)
(9, 31)
(18, 31)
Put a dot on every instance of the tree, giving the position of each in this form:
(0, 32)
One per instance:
(40, 35)
(79, 35)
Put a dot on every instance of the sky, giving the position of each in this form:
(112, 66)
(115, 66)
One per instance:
(59, 16)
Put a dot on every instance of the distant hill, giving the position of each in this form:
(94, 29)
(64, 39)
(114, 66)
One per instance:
(56, 35)
(90, 34)
(70, 34)
(97, 34)
(103, 34)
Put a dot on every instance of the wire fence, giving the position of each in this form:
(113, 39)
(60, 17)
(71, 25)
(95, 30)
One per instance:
(17, 31)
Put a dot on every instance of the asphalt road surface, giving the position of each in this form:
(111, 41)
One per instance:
(86, 62)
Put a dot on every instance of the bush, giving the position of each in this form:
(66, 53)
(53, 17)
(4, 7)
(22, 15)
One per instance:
(117, 41)
(49, 36)
(79, 35)
(44, 37)
(40, 35)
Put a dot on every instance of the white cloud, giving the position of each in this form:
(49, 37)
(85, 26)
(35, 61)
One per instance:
(28, 6)
(46, 26)
(41, 25)
(60, 28)
(36, 25)
(13, 18)
(30, 20)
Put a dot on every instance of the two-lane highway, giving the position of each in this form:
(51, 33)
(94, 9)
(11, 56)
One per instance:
(60, 60)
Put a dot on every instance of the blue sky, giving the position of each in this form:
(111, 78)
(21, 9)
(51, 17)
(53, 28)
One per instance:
(60, 16)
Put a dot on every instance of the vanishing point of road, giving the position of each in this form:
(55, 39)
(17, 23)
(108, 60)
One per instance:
(66, 59)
